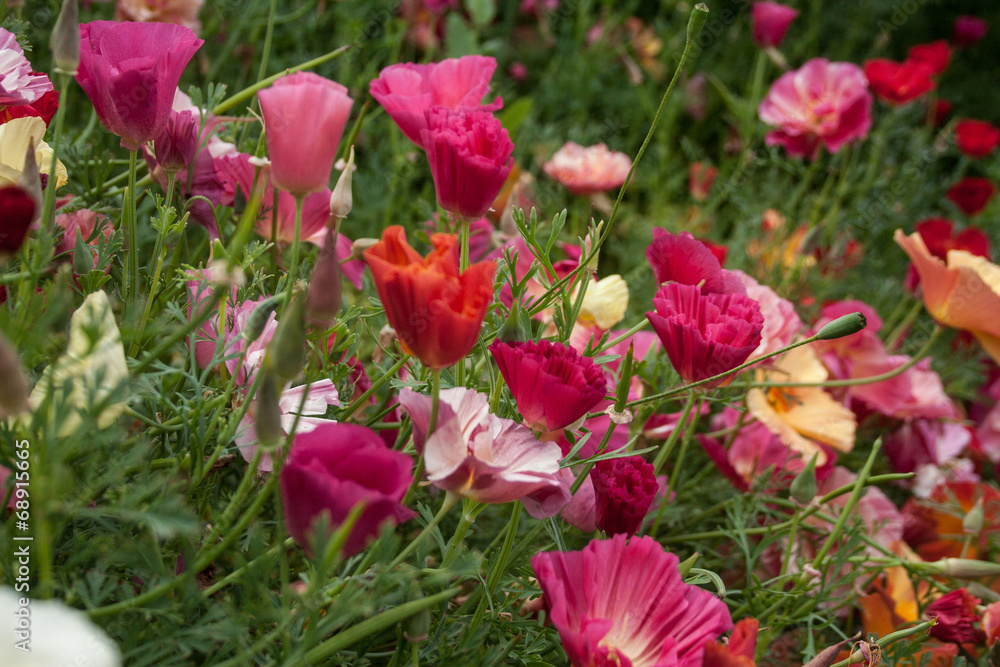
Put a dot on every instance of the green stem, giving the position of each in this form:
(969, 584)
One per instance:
(470, 510)
(293, 269)
(450, 499)
(463, 235)
(49, 205)
(661, 456)
(131, 235)
(391, 373)
(497, 568)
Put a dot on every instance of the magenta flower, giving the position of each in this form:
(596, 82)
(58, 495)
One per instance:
(304, 116)
(967, 30)
(624, 490)
(819, 103)
(705, 334)
(130, 72)
(552, 384)
(176, 146)
(470, 157)
(480, 456)
(770, 23)
(335, 467)
(406, 90)
(622, 602)
(18, 82)
(683, 259)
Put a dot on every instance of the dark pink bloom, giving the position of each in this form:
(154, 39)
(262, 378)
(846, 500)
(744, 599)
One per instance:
(976, 138)
(819, 103)
(553, 385)
(935, 54)
(333, 468)
(304, 117)
(130, 72)
(701, 177)
(19, 84)
(87, 222)
(470, 157)
(406, 90)
(938, 111)
(705, 333)
(921, 442)
(622, 602)
(176, 146)
(624, 489)
(683, 259)
(770, 23)
(956, 616)
(17, 212)
(899, 83)
(967, 30)
(971, 194)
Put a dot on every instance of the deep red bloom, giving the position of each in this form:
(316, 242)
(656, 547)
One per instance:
(967, 30)
(624, 489)
(955, 613)
(334, 467)
(701, 177)
(17, 211)
(552, 383)
(972, 194)
(899, 83)
(622, 602)
(739, 651)
(130, 72)
(705, 334)
(770, 23)
(938, 111)
(469, 154)
(44, 107)
(939, 236)
(682, 258)
(436, 312)
(976, 138)
(935, 54)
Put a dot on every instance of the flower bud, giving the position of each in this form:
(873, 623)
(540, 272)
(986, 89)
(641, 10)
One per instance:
(965, 568)
(83, 257)
(803, 487)
(517, 326)
(359, 246)
(845, 325)
(259, 316)
(268, 421)
(174, 149)
(699, 15)
(65, 39)
(342, 200)
(417, 627)
(286, 354)
(972, 523)
(323, 297)
(13, 386)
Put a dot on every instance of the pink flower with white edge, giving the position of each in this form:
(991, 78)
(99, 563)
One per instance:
(18, 82)
(622, 602)
(587, 170)
(478, 455)
(821, 103)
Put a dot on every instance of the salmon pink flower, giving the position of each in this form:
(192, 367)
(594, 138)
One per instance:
(130, 72)
(819, 103)
(755, 451)
(991, 623)
(333, 468)
(406, 90)
(935, 55)
(181, 12)
(971, 194)
(588, 170)
(770, 23)
(553, 385)
(483, 457)
(436, 311)
(469, 153)
(899, 83)
(19, 84)
(781, 323)
(622, 602)
(624, 489)
(304, 117)
(976, 138)
(967, 30)
(955, 617)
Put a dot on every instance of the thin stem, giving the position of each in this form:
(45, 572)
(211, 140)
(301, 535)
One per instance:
(450, 499)
(661, 456)
(353, 407)
(49, 205)
(293, 269)
(131, 235)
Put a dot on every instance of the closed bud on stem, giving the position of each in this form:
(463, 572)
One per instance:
(697, 21)
(625, 381)
(65, 39)
(417, 628)
(965, 568)
(842, 326)
(359, 246)
(323, 297)
(973, 521)
(268, 421)
(588, 245)
(13, 386)
(685, 565)
(83, 258)
(286, 354)
(803, 487)
(517, 326)
(259, 316)
(342, 200)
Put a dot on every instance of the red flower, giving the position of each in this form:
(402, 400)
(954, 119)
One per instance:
(935, 55)
(976, 138)
(967, 30)
(955, 613)
(469, 154)
(130, 72)
(552, 384)
(436, 312)
(17, 211)
(938, 111)
(739, 651)
(44, 107)
(624, 489)
(971, 195)
(939, 236)
(701, 177)
(705, 334)
(335, 467)
(770, 23)
(899, 83)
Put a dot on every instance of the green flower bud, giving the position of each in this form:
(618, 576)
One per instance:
(803, 487)
(843, 326)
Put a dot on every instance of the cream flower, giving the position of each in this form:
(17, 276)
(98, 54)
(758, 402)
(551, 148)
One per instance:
(605, 303)
(15, 138)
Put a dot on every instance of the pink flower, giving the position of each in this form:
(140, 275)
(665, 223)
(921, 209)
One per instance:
(955, 616)
(920, 442)
(754, 451)
(682, 258)
(988, 434)
(967, 30)
(480, 456)
(87, 222)
(181, 12)
(770, 23)
(781, 322)
(819, 103)
(470, 157)
(406, 90)
(588, 170)
(18, 82)
(304, 117)
(333, 468)
(624, 489)
(622, 602)
(130, 72)
(705, 334)
(701, 177)
(552, 384)
(176, 146)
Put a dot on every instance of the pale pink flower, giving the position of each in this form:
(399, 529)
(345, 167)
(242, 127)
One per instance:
(988, 433)
(181, 12)
(588, 170)
(819, 103)
(86, 221)
(781, 322)
(18, 83)
(920, 442)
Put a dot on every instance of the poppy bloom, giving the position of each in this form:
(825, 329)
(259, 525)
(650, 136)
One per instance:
(175, 148)
(899, 83)
(939, 236)
(624, 489)
(971, 194)
(938, 111)
(705, 333)
(739, 651)
(587, 170)
(333, 468)
(936, 55)
(552, 383)
(955, 616)
(991, 623)
(967, 30)
(181, 12)
(130, 72)
(819, 103)
(976, 138)
(15, 138)
(683, 259)
(19, 84)
(406, 90)
(622, 602)
(470, 158)
(17, 211)
(436, 311)
(770, 23)
(44, 107)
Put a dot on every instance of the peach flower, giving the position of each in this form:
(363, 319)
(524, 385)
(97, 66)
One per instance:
(588, 170)
(181, 12)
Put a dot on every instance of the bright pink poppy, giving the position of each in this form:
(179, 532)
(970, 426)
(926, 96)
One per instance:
(683, 259)
(770, 23)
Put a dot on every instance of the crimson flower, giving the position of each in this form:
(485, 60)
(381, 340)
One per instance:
(624, 489)
(935, 55)
(976, 138)
(955, 613)
(972, 194)
(940, 236)
(899, 83)
(770, 23)
(684, 259)
(17, 211)
(701, 177)
(739, 651)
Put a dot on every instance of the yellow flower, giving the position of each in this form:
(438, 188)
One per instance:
(15, 137)
(605, 303)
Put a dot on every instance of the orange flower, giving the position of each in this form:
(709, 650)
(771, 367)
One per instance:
(436, 311)
(964, 293)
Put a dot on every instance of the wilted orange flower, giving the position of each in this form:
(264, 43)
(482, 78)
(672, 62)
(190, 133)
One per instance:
(963, 294)
(181, 12)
